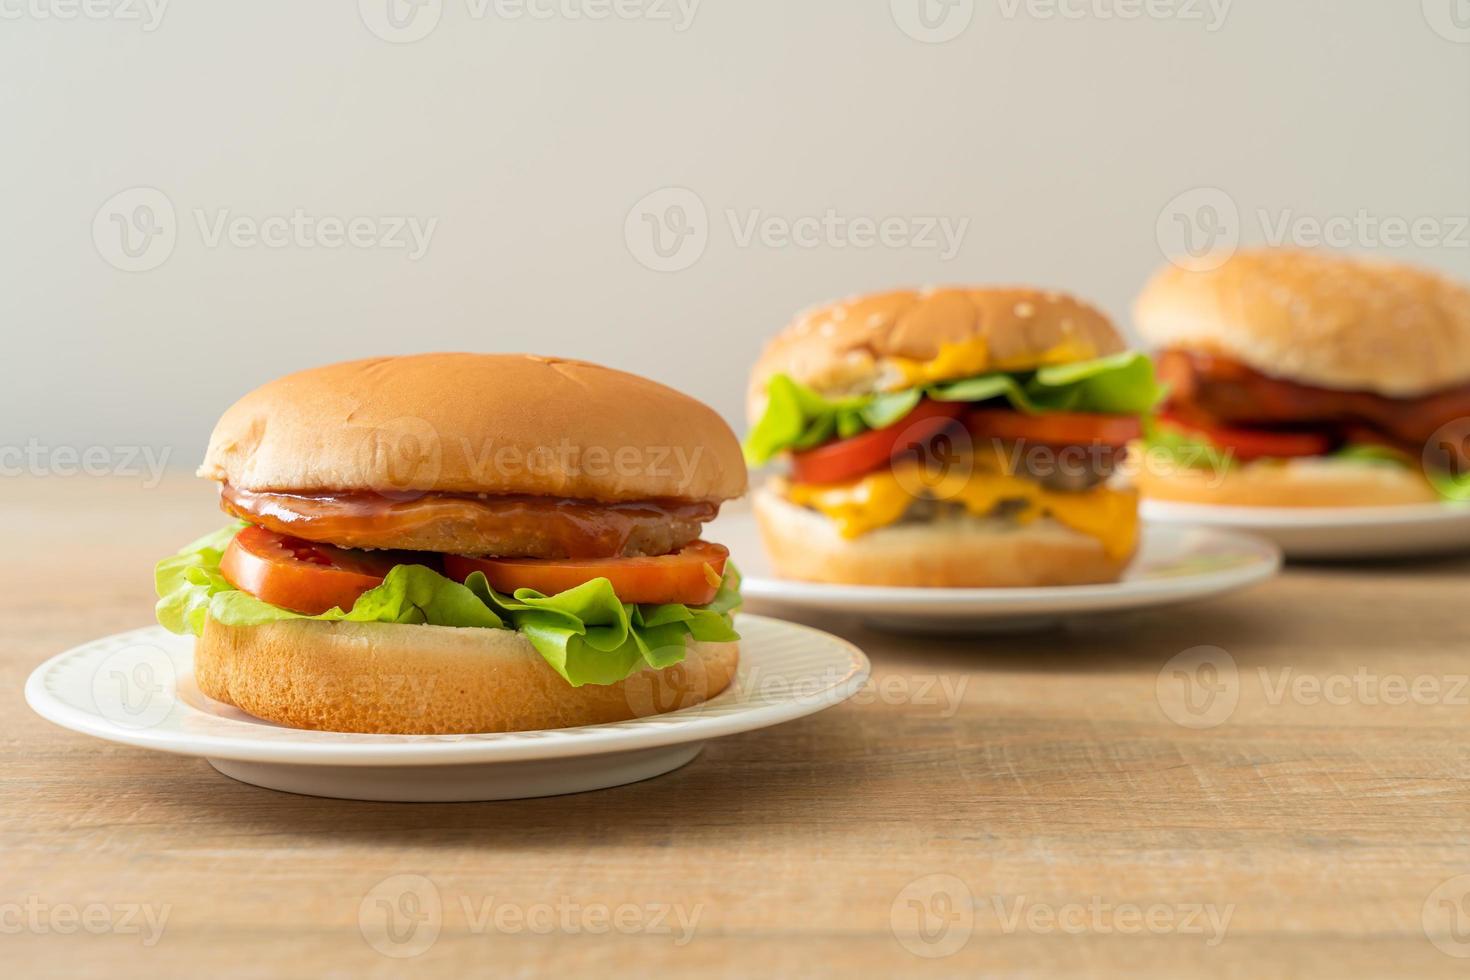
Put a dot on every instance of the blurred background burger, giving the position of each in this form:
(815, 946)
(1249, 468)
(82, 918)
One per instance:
(1302, 379)
(948, 437)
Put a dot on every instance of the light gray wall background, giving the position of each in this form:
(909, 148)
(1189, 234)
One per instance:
(1079, 139)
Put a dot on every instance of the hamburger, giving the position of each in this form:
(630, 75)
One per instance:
(949, 437)
(457, 543)
(1302, 379)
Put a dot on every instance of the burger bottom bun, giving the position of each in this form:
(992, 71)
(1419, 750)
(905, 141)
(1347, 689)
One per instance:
(396, 679)
(960, 553)
(1311, 482)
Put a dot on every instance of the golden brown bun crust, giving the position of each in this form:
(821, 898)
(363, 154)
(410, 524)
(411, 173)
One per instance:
(389, 678)
(476, 423)
(805, 545)
(850, 346)
(1299, 483)
(1318, 319)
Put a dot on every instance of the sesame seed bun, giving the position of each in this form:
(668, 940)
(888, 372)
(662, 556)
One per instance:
(967, 552)
(476, 423)
(879, 342)
(396, 679)
(1318, 319)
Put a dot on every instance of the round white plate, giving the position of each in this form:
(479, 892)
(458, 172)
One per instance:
(1333, 532)
(138, 688)
(1173, 565)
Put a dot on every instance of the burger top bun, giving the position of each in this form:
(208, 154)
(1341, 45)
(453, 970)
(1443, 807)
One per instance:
(1318, 319)
(476, 423)
(893, 340)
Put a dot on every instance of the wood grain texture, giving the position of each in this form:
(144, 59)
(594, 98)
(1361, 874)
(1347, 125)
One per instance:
(1042, 773)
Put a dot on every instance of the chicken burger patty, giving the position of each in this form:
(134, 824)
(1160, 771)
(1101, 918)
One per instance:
(512, 526)
(1225, 391)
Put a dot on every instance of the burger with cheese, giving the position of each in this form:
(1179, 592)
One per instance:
(949, 437)
(455, 543)
(1304, 379)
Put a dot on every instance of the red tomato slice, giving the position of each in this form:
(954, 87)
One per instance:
(691, 576)
(1249, 444)
(302, 576)
(1054, 428)
(847, 459)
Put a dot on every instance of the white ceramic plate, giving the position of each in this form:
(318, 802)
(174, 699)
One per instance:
(1333, 532)
(1173, 565)
(138, 688)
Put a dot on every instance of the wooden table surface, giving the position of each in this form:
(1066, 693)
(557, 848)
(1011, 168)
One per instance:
(1009, 806)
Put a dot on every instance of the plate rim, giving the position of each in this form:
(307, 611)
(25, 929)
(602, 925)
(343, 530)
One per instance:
(691, 724)
(1180, 512)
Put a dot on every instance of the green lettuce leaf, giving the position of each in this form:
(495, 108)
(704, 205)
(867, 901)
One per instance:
(1368, 453)
(186, 581)
(797, 417)
(586, 634)
(1452, 487)
(1186, 450)
(1197, 452)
